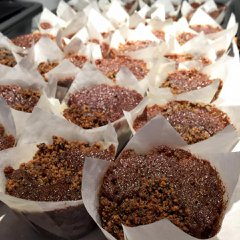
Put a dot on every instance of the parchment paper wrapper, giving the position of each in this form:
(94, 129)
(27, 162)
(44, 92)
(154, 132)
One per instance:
(6, 119)
(227, 164)
(5, 42)
(160, 72)
(66, 219)
(224, 140)
(90, 76)
(26, 79)
(65, 12)
(55, 22)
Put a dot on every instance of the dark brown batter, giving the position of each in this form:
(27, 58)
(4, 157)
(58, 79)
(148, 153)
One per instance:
(111, 100)
(185, 37)
(6, 140)
(186, 80)
(193, 121)
(20, 98)
(111, 66)
(7, 58)
(26, 41)
(163, 183)
(85, 116)
(55, 172)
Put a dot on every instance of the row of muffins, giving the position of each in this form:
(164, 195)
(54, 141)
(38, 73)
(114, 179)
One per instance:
(96, 105)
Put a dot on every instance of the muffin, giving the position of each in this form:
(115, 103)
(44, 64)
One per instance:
(133, 46)
(107, 101)
(184, 57)
(6, 140)
(164, 183)
(45, 67)
(207, 29)
(159, 34)
(55, 172)
(111, 66)
(26, 41)
(7, 58)
(77, 60)
(185, 37)
(18, 98)
(193, 121)
(182, 81)
(85, 116)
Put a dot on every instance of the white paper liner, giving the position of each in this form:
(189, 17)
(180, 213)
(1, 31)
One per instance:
(227, 164)
(48, 17)
(8, 44)
(6, 119)
(78, 5)
(117, 14)
(46, 50)
(65, 12)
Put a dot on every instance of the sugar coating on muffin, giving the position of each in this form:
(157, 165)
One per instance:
(21, 99)
(194, 121)
(111, 100)
(55, 171)
(6, 140)
(167, 183)
(7, 58)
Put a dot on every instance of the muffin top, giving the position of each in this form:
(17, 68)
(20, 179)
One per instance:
(55, 172)
(6, 140)
(168, 183)
(7, 58)
(193, 121)
(21, 99)
(111, 100)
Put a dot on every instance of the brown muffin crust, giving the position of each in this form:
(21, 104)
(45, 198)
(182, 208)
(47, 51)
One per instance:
(111, 100)
(26, 41)
(133, 46)
(159, 34)
(77, 60)
(185, 37)
(178, 58)
(163, 183)
(182, 81)
(45, 25)
(207, 29)
(7, 58)
(45, 67)
(55, 172)
(111, 66)
(21, 99)
(6, 140)
(85, 116)
(193, 121)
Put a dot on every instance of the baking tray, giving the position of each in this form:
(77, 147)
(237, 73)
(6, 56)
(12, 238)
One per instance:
(16, 17)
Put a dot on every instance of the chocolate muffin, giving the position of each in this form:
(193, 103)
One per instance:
(55, 172)
(133, 46)
(26, 41)
(7, 58)
(110, 100)
(164, 183)
(184, 57)
(45, 67)
(207, 29)
(193, 121)
(111, 66)
(85, 116)
(159, 34)
(6, 140)
(77, 60)
(21, 99)
(185, 37)
(182, 81)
